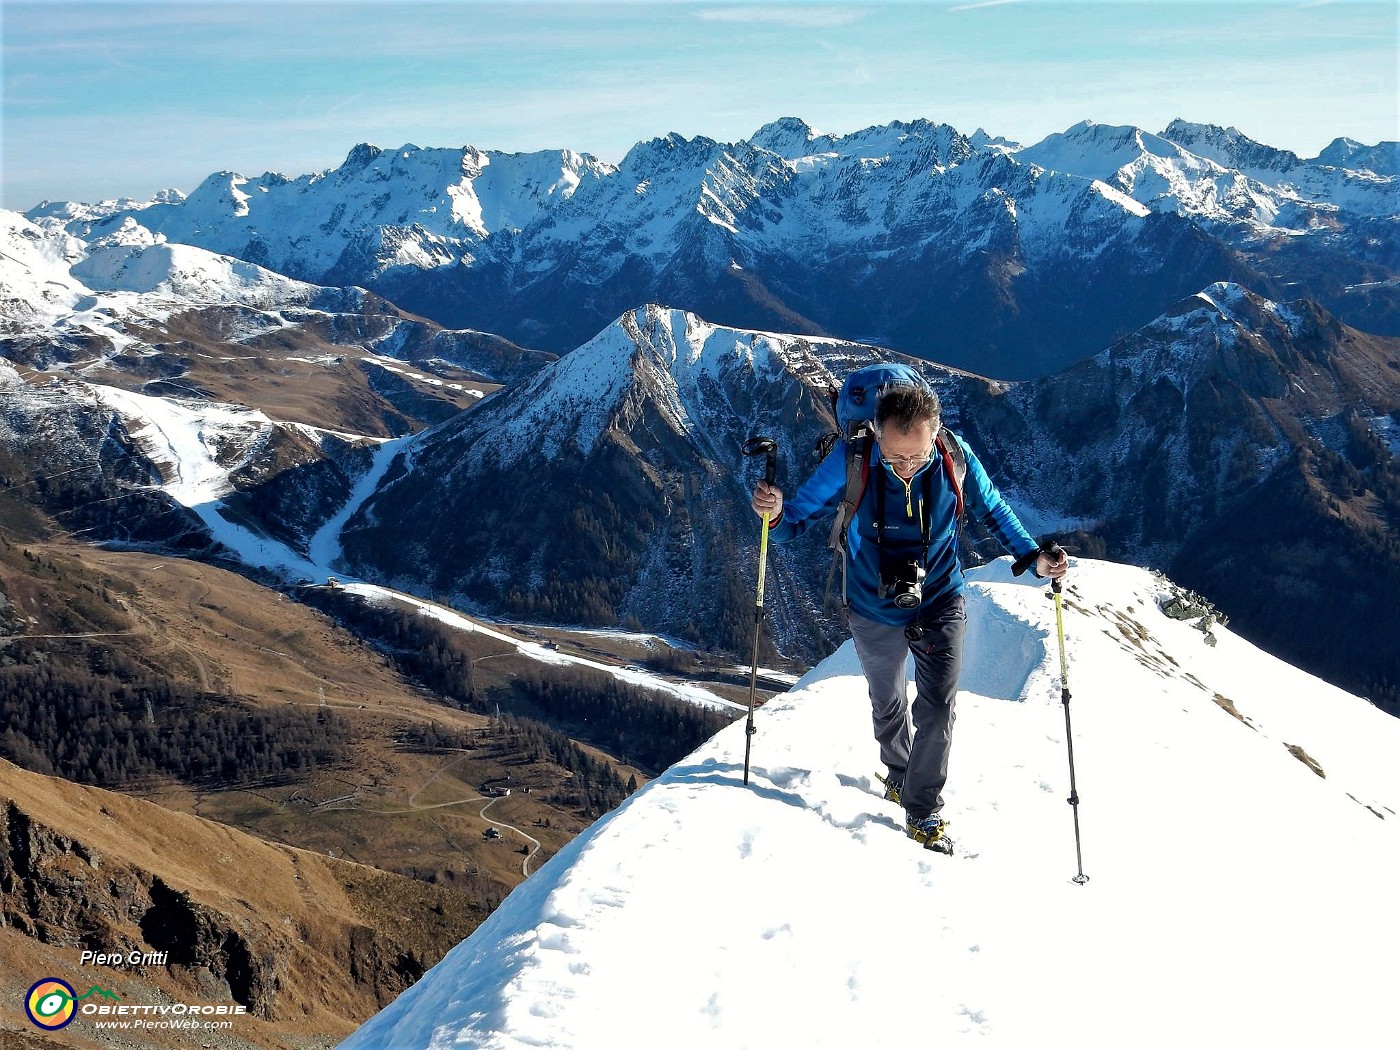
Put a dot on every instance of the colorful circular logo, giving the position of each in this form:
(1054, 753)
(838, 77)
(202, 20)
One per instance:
(51, 1003)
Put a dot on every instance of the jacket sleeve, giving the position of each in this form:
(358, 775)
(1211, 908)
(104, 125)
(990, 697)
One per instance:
(991, 510)
(815, 500)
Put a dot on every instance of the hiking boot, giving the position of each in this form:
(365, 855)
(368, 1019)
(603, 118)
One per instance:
(926, 830)
(893, 786)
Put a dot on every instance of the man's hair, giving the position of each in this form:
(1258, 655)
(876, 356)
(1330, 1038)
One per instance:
(906, 407)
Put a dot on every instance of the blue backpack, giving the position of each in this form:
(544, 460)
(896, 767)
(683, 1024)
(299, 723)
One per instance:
(855, 401)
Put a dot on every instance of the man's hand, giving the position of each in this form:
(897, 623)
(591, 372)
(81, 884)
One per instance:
(768, 499)
(1053, 568)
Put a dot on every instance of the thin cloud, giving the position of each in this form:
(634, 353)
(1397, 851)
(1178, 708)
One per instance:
(789, 17)
(982, 4)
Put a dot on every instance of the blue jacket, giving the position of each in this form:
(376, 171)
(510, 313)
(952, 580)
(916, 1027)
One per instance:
(820, 496)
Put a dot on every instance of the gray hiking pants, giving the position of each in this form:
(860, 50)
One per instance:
(914, 739)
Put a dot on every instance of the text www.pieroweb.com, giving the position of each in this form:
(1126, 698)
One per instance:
(173, 1017)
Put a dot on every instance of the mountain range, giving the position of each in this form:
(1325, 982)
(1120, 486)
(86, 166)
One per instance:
(1011, 261)
(616, 488)
(1220, 442)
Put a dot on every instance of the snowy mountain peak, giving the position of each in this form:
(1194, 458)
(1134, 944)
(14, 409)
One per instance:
(1106, 152)
(1383, 159)
(995, 945)
(668, 152)
(1230, 148)
(792, 139)
(1249, 319)
(1228, 309)
(1165, 384)
(35, 283)
(361, 156)
(130, 234)
(981, 140)
(221, 194)
(132, 259)
(671, 366)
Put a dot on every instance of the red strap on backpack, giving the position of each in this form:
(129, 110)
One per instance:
(951, 470)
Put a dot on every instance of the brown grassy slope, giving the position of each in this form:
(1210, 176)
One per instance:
(323, 943)
(204, 625)
(301, 374)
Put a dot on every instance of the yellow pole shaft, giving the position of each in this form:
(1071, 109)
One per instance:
(757, 625)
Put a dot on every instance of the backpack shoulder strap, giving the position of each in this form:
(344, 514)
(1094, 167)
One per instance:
(858, 449)
(954, 463)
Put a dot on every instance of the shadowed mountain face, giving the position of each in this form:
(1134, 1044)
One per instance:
(611, 486)
(1247, 447)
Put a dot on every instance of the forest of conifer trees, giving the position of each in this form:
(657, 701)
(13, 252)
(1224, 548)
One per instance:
(91, 715)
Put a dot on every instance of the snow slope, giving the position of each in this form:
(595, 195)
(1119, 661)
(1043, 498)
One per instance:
(50, 280)
(1235, 897)
(132, 259)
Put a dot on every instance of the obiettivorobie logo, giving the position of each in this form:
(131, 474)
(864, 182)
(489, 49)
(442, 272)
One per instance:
(52, 1004)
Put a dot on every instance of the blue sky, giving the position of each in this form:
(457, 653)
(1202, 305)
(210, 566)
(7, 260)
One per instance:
(122, 99)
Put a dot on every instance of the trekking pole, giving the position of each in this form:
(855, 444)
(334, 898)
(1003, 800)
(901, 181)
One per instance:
(1054, 550)
(753, 447)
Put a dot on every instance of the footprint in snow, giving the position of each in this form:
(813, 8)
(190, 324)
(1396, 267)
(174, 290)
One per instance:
(787, 778)
(977, 1017)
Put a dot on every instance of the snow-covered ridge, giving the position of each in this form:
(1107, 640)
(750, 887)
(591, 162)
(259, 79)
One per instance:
(132, 259)
(55, 284)
(1206, 837)
(36, 286)
(304, 225)
(788, 185)
(1213, 175)
(693, 371)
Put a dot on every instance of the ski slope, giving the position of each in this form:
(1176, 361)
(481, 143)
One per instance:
(1235, 896)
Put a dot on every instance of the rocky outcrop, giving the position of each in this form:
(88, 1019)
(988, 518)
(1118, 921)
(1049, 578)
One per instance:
(57, 890)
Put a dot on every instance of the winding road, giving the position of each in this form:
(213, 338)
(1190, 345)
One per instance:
(413, 807)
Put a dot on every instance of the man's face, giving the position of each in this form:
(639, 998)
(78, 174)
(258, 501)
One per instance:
(907, 451)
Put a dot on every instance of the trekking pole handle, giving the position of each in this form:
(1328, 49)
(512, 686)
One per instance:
(1054, 551)
(764, 446)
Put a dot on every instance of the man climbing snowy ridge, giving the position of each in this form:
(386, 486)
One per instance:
(904, 580)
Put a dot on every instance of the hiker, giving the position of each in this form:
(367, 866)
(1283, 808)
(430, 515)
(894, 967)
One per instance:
(903, 581)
